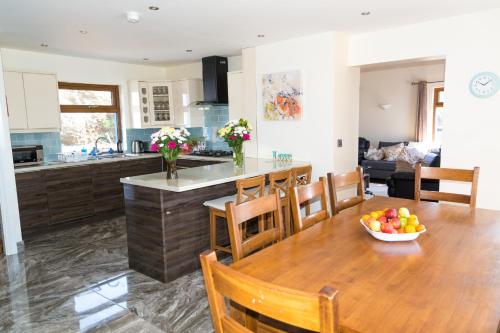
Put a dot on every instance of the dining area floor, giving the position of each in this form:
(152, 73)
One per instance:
(78, 280)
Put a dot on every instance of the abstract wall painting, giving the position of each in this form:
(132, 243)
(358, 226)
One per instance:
(282, 96)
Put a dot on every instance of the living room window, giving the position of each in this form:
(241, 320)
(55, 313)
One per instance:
(437, 126)
(89, 111)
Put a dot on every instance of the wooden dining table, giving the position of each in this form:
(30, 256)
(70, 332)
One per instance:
(447, 280)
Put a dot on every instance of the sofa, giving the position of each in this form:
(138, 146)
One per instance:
(380, 170)
(402, 184)
(363, 146)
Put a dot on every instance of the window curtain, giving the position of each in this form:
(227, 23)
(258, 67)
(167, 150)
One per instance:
(421, 130)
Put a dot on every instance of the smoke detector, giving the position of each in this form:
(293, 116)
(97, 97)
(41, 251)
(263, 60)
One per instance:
(133, 17)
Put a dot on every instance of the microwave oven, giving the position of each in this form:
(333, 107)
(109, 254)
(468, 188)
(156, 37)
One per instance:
(27, 155)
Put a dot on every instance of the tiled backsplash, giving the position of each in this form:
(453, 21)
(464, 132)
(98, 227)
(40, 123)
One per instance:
(51, 142)
(216, 117)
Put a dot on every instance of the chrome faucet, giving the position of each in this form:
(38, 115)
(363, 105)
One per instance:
(95, 147)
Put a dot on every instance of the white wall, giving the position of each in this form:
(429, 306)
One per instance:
(84, 70)
(11, 226)
(392, 85)
(194, 70)
(327, 84)
(470, 124)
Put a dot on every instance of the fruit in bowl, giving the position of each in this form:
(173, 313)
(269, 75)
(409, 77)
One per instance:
(393, 224)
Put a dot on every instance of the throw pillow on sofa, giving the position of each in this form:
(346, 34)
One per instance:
(391, 153)
(374, 154)
(411, 155)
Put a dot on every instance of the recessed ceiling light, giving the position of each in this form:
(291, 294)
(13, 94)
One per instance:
(44, 45)
(261, 35)
(153, 8)
(365, 13)
(189, 50)
(83, 32)
(145, 59)
(133, 17)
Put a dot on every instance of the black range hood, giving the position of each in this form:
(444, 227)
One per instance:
(215, 70)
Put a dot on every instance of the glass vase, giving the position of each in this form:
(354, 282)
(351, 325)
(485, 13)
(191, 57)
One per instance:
(238, 157)
(171, 166)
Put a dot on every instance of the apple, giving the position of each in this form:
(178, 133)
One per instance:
(395, 223)
(391, 213)
(388, 228)
(374, 225)
(404, 212)
(382, 219)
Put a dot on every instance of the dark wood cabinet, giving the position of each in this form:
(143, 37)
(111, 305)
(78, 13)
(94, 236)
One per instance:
(32, 199)
(69, 193)
(107, 189)
(186, 163)
(88, 192)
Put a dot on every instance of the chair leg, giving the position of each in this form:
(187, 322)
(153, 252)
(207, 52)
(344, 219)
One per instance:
(213, 230)
(287, 220)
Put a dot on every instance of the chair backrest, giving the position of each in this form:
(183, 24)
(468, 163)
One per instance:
(301, 175)
(314, 312)
(306, 193)
(238, 214)
(280, 182)
(336, 182)
(470, 176)
(250, 189)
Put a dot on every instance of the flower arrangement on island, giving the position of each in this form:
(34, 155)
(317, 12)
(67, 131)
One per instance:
(169, 142)
(235, 133)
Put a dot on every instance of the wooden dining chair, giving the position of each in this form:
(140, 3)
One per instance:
(238, 214)
(314, 312)
(336, 182)
(280, 182)
(306, 193)
(461, 175)
(301, 175)
(246, 189)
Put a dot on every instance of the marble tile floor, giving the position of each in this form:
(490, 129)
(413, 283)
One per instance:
(77, 280)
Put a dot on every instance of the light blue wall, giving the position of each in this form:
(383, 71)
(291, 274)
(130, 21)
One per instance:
(145, 134)
(50, 141)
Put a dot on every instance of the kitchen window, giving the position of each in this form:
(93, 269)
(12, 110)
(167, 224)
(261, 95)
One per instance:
(89, 111)
(437, 126)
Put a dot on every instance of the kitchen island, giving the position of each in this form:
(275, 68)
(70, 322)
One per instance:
(167, 224)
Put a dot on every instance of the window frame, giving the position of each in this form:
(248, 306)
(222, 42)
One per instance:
(114, 108)
(436, 104)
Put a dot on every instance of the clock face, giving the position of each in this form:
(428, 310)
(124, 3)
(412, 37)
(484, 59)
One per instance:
(484, 85)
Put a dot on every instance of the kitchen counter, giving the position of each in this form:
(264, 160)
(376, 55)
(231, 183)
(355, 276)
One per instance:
(126, 157)
(167, 223)
(209, 175)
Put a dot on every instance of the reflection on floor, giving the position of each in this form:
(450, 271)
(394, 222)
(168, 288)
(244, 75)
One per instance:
(78, 281)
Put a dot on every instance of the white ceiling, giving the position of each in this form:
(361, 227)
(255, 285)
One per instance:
(207, 27)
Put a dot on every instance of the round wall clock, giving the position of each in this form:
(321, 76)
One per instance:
(484, 84)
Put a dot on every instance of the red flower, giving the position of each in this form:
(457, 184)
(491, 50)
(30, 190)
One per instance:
(172, 145)
(154, 147)
(246, 136)
(232, 137)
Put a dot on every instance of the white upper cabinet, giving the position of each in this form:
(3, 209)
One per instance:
(166, 103)
(33, 101)
(186, 92)
(14, 90)
(42, 101)
(235, 95)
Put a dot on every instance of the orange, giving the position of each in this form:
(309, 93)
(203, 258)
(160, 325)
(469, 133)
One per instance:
(365, 217)
(410, 229)
(420, 227)
(380, 213)
(374, 215)
(401, 231)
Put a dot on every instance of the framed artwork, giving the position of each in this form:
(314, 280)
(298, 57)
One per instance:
(282, 96)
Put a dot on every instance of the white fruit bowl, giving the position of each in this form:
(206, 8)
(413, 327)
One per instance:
(392, 237)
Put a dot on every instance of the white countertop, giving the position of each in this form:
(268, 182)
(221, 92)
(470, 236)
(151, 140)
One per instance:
(127, 157)
(209, 175)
